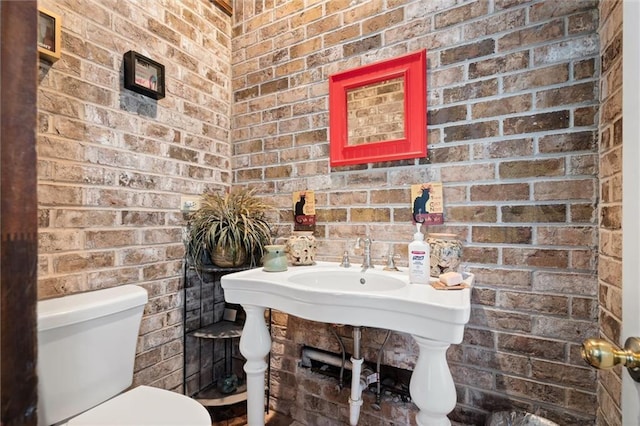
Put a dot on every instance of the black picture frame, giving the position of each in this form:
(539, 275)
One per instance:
(143, 75)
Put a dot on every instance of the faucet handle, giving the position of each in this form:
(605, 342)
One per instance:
(357, 246)
(391, 263)
(345, 260)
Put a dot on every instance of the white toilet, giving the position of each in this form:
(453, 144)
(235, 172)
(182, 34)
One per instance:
(86, 352)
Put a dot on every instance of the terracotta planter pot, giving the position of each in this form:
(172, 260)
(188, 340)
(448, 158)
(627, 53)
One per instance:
(222, 257)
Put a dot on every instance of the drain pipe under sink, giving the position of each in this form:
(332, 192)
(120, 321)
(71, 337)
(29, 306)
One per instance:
(357, 383)
(360, 378)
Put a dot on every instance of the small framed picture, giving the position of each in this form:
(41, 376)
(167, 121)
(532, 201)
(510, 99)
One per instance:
(49, 25)
(143, 75)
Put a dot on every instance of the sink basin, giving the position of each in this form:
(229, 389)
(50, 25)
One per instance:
(347, 281)
(375, 298)
(328, 293)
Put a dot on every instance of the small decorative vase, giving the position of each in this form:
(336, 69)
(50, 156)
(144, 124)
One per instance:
(301, 248)
(445, 253)
(228, 384)
(275, 259)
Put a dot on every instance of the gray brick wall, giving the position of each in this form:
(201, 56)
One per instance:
(112, 164)
(523, 131)
(513, 104)
(610, 182)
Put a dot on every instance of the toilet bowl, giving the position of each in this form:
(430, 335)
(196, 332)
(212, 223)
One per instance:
(86, 353)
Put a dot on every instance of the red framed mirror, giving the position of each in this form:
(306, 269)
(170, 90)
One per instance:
(378, 112)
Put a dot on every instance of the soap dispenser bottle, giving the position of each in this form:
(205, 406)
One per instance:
(419, 262)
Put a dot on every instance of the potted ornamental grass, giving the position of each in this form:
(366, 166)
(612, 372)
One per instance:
(230, 226)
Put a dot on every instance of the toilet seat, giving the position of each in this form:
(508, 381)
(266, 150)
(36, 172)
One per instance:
(145, 406)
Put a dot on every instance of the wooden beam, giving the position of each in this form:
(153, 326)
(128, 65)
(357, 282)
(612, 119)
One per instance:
(225, 5)
(19, 212)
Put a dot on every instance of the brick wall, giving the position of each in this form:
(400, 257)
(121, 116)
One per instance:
(112, 164)
(610, 247)
(513, 90)
(513, 96)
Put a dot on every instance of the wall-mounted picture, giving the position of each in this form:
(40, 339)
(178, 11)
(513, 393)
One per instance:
(143, 75)
(427, 204)
(304, 210)
(49, 25)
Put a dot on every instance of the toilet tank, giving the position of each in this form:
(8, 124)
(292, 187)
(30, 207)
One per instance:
(86, 349)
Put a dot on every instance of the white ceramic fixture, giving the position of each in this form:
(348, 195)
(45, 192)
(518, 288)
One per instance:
(350, 280)
(86, 352)
(435, 318)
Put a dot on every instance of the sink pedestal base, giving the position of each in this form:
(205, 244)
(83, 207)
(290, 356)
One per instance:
(255, 344)
(431, 387)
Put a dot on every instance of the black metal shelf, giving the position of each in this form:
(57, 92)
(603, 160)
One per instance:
(205, 321)
(213, 268)
(218, 330)
(212, 397)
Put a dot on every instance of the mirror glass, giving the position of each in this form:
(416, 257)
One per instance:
(378, 111)
(375, 112)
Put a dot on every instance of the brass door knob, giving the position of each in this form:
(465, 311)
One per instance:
(601, 354)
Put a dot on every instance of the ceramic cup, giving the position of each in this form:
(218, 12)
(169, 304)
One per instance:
(275, 258)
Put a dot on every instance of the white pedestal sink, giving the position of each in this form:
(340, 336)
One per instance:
(328, 293)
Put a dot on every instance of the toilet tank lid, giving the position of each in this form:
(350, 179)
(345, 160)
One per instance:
(75, 308)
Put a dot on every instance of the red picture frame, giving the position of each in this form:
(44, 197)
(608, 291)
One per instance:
(413, 144)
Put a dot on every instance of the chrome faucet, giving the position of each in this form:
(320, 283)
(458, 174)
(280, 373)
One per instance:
(366, 261)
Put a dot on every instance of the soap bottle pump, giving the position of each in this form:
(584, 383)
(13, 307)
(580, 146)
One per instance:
(419, 262)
